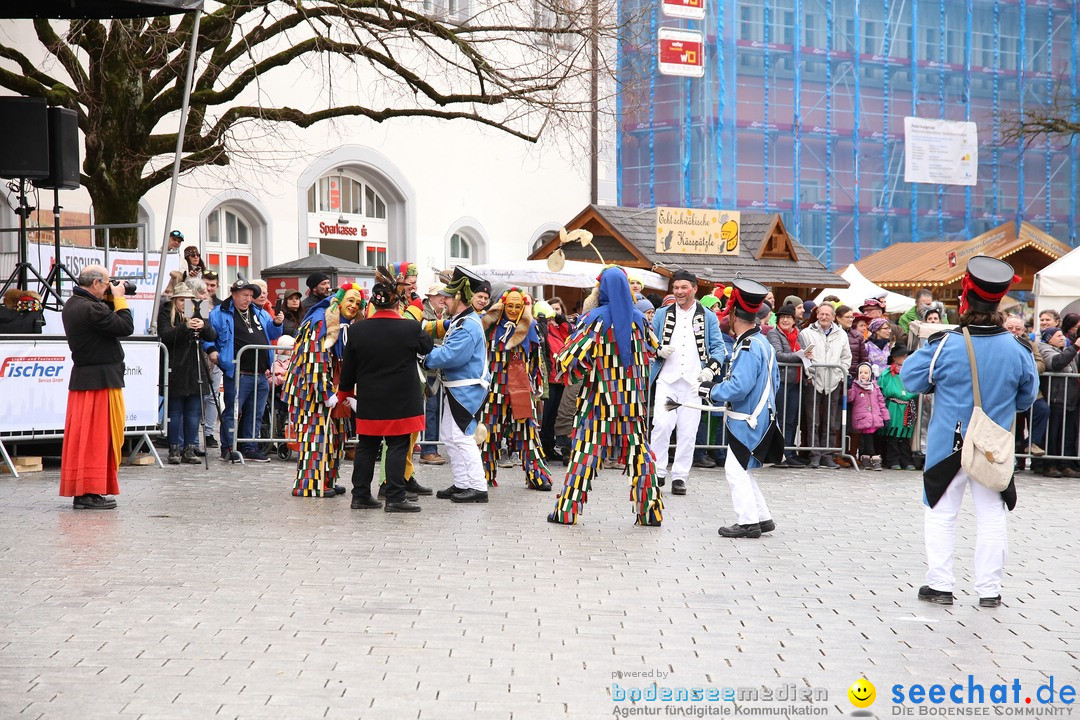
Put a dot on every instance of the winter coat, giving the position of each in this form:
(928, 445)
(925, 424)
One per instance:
(1059, 390)
(868, 411)
(782, 346)
(857, 344)
(557, 332)
(831, 349)
(878, 357)
(184, 361)
(93, 329)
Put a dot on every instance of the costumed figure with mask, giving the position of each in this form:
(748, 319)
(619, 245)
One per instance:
(515, 359)
(310, 391)
(748, 388)
(609, 354)
(1007, 383)
(462, 364)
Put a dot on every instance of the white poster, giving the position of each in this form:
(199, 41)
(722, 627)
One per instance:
(940, 152)
(34, 379)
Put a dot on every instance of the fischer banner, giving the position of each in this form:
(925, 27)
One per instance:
(34, 376)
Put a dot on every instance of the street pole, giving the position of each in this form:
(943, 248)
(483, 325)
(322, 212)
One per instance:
(594, 100)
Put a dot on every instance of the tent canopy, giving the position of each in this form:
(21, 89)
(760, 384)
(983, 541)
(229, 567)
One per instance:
(1056, 285)
(575, 274)
(83, 9)
(860, 289)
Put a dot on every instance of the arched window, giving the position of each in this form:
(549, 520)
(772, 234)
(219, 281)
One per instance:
(348, 218)
(227, 250)
(461, 250)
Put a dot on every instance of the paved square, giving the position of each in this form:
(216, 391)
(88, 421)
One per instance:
(217, 594)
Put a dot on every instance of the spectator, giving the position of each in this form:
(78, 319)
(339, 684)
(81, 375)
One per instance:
(1064, 398)
(879, 345)
(211, 279)
(176, 239)
(290, 308)
(1039, 416)
(1048, 319)
(193, 262)
(903, 407)
(784, 338)
(923, 299)
(481, 298)
(434, 309)
(869, 414)
(264, 300)
(558, 329)
(825, 387)
(845, 318)
(319, 288)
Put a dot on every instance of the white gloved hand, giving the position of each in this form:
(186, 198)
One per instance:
(705, 375)
(351, 402)
(665, 351)
(331, 401)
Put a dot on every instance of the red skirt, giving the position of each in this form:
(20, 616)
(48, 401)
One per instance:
(93, 438)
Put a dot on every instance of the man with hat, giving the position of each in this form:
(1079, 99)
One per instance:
(434, 311)
(691, 351)
(319, 289)
(176, 239)
(874, 308)
(462, 362)
(1007, 384)
(749, 390)
(239, 322)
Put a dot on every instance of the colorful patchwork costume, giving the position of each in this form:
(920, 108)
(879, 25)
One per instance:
(310, 391)
(609, 352)
(517, 376)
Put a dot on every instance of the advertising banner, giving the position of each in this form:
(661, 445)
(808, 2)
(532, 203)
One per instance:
(699, 232)
(689, 9)
(940, 152)
(34, 376)
(682, 52)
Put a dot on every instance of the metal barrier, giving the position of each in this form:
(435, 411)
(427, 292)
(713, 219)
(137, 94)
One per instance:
(1060, 442)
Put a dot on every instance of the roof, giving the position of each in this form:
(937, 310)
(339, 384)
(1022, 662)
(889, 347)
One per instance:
(637, 248)
(938, 264)
(318, 262)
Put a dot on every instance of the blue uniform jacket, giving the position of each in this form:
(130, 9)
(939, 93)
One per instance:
(1008, 384)
(743, 386)
(221, 319)
(714, 339)
(463, 356)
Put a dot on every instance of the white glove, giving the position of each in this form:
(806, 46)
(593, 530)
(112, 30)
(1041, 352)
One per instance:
(331, 401)
(665, 351)
(705, 375)
(351, 402)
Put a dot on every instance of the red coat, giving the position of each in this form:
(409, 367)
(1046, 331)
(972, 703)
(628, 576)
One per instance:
(556, 338)
(868, 410)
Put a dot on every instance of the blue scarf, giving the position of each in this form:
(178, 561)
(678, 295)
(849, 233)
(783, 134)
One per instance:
(616, 310)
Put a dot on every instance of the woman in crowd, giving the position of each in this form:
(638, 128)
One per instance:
(290, 308)
(1063, 394)
(558, 329)
(879, 345)
(784, 338)
(193, 262)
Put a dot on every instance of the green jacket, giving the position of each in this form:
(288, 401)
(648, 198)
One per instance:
(901, 403)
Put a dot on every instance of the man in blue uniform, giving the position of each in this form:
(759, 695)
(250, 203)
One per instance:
(1008, 384)
(462, 360)
(749, 390)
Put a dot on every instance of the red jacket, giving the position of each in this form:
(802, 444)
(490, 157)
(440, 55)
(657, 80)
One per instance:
(556, 339)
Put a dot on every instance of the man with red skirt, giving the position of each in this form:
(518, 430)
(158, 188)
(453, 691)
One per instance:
(95, 317)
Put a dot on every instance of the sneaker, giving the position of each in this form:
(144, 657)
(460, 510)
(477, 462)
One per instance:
(909, 467)
(990, 602)
(211, 441)
(939, 597)
(504, 460)
(895, 467)
(875, 463)
(828, 462)
(1036, 451)
(255, 456)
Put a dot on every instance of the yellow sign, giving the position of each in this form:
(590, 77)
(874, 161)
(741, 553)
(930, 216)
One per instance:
(698, 232)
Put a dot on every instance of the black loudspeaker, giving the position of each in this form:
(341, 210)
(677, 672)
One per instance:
(63, 150)
(24, 138)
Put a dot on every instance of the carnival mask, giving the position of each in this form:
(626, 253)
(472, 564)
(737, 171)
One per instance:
(350, 304)
(514, 305)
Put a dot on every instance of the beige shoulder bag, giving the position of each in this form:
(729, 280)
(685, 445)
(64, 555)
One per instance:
(989, 450)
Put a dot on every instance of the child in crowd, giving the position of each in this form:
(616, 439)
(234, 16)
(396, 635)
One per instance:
(868, 414)
(903, 408)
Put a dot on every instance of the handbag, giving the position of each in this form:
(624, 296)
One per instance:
(989, 451)
(519, 388)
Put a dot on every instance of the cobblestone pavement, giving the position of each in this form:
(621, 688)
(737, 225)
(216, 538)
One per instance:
(216, 594)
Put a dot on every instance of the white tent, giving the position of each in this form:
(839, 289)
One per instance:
(860, 289)
(576, 273)
(1057, 286)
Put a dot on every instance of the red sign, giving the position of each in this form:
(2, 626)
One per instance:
(342, 230)
(335, 195)
(682, 52)
(691, 9)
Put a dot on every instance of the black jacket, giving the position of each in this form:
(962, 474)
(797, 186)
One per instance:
(183, 361)
(93, 332)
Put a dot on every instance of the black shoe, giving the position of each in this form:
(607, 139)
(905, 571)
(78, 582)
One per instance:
(940, 597)
(410, 496)
(402, 507)
(828, 462)
(414, 487)
(93, 502)
(990, 602)
(470, 496)
(255, 456)
(365, 503)
(678, 487)
(543, 487)
(174, 454)
(767, 526)
(210, 441)
(448, 492)
(704, 462)
(794, 461)
(741, 531)
(190, 456)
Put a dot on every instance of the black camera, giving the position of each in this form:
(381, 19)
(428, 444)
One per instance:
(130, 288)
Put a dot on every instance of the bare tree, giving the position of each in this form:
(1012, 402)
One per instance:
(1058, 119)
(522, 66)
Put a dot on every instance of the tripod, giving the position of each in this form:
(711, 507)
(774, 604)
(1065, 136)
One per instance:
(23, 268)
(203, 365)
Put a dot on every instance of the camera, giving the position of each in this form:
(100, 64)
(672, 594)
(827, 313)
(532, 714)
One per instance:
(130, 288)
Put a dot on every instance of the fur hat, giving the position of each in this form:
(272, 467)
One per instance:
(22, 300)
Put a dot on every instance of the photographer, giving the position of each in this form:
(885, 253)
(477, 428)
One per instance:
(95, 317)
(181, 328)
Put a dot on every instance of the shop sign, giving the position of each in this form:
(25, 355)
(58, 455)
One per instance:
(689, 9)
(682, 52)
(698, 232)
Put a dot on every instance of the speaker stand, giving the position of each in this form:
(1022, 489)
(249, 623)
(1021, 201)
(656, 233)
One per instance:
(59, 269)
(23, 269)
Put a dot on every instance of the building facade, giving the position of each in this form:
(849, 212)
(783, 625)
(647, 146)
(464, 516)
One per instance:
(801, 111)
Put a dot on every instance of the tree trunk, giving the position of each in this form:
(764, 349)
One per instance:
(117, 208)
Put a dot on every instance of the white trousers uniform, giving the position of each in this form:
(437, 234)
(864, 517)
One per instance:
(685, 420)
(463, 451)
(746, 497)
(991, 540)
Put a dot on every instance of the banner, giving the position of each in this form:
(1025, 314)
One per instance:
(682, 52)
(700, 232)
(34, 378)
(940, 152)
(689, 9)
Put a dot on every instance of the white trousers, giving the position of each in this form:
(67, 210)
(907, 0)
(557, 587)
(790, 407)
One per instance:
(463, 451)
(746, 497)
(991, 539)
(684, 420)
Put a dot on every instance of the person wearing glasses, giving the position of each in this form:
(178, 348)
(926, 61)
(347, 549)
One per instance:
(193, 262)
(95, 317)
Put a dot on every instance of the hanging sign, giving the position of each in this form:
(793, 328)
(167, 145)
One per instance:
(690, 9)
(940, 152)
(699, 232)
(682, 52)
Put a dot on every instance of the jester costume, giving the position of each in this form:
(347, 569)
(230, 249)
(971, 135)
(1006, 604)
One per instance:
(515, 359)
(310, 391)
(609, 354)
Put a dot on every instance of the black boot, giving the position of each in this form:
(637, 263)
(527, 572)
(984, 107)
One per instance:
(174, 454)
(189, 456)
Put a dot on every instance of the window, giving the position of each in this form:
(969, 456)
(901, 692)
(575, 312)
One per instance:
(342, 193)
(375, 256)
(460, 249)
(750, 25)
(227, 249)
